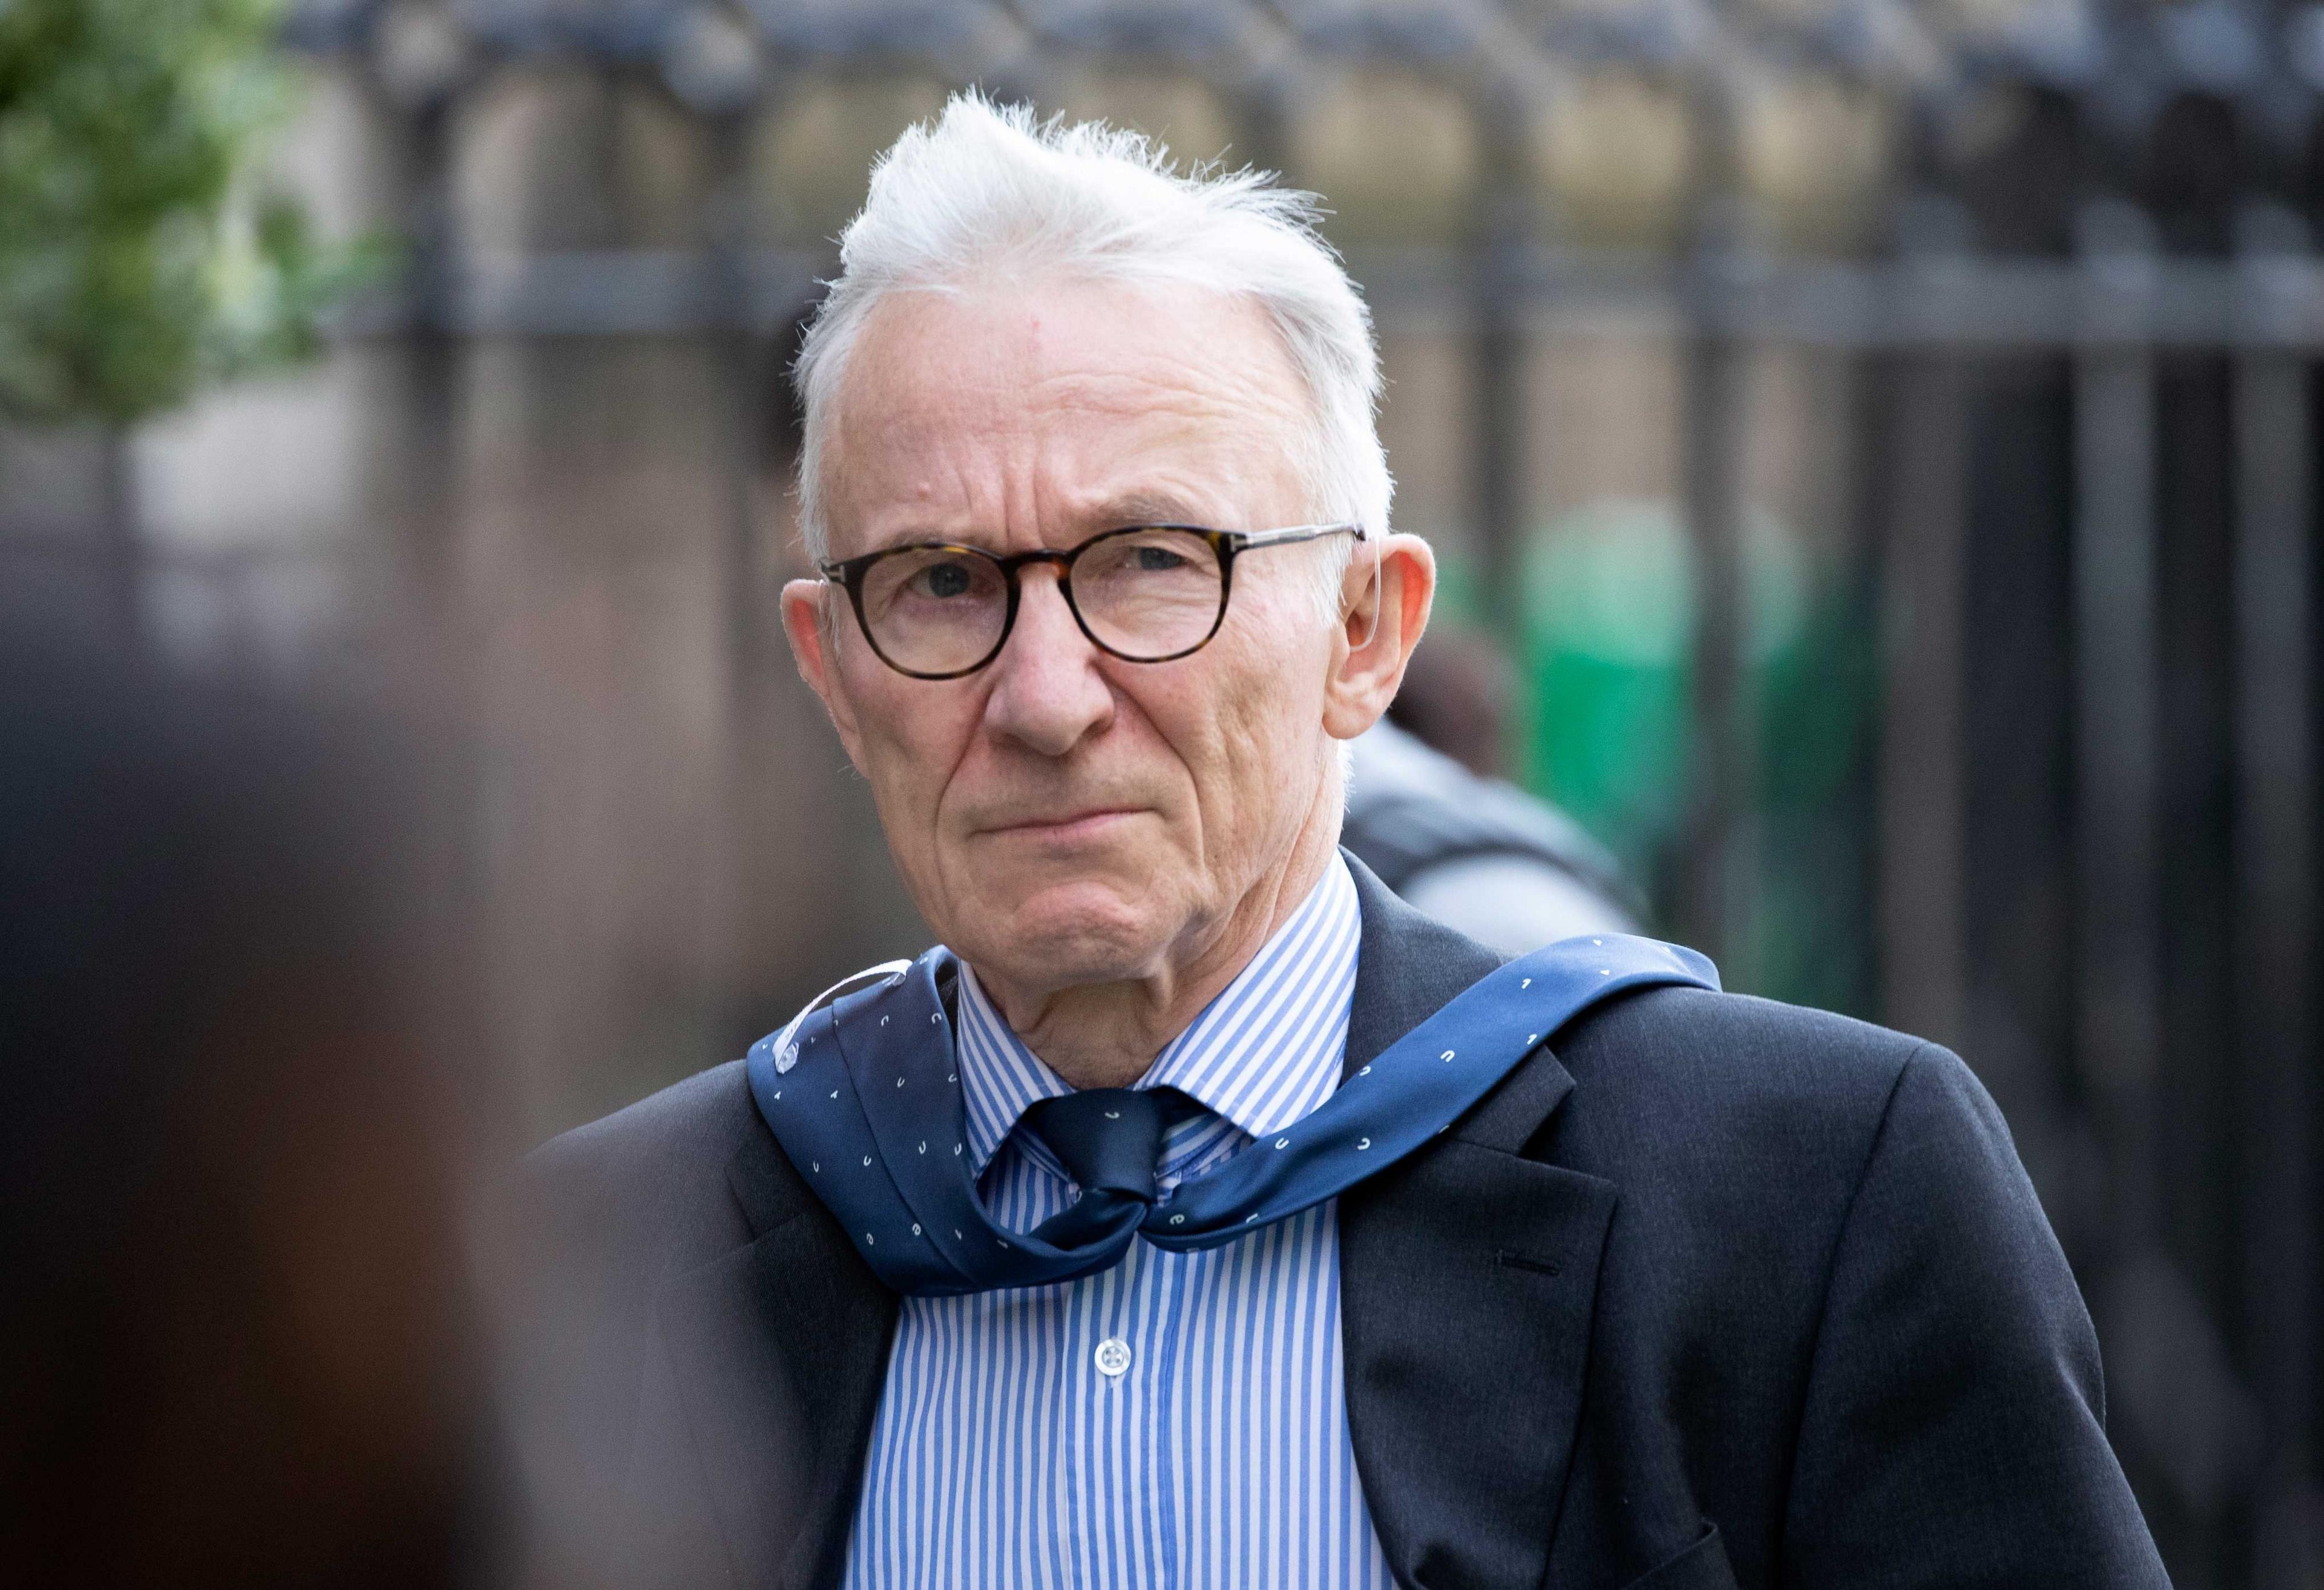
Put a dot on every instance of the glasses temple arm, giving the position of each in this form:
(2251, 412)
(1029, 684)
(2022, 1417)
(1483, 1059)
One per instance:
(1247, 540)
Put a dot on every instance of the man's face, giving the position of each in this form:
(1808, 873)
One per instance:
(1064, 817)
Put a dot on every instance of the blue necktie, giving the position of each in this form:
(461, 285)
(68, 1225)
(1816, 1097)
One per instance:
(1109, 1142)
(864, 1094)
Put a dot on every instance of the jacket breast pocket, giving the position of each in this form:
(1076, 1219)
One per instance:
(1702, 1565)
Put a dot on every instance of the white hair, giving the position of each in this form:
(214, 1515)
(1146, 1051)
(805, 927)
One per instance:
(992, 191)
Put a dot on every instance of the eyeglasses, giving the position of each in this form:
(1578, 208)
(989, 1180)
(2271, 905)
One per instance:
(1147, 593)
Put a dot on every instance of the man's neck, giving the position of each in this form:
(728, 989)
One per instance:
(1107, 1035)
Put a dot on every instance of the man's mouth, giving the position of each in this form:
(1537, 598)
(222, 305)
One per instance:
(1065, 826)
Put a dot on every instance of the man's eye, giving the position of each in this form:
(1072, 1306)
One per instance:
(1158, 560)
(947, 579)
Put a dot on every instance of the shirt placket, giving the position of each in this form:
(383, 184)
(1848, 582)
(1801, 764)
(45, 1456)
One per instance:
(1102, 1421)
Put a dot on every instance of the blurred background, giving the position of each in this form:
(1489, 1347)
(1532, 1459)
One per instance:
(1872, 445)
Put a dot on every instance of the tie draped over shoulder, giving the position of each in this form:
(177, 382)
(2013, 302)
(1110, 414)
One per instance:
(864, 1095)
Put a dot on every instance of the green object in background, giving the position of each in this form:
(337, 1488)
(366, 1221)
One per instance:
(1609, 617)
(132, 269)
(1608, 610)
(1460, 598)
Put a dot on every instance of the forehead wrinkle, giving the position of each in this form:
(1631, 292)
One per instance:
(1182, 462)
(1140, 505)
(944, 500)
(1000, 445)
(1158, 383)
(1190, 477)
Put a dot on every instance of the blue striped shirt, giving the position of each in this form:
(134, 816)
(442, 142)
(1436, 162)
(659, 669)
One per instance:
(1178, 1419)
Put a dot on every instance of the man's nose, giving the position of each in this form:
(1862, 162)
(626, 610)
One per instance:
(1047, 692)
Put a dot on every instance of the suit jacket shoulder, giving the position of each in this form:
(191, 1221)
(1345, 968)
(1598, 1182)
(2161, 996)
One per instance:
(1832, 1318)
(1728, 1112)
(648, 1183)
(598, 1218)
(700, 1353)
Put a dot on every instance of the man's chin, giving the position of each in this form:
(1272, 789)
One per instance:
(1051, 941)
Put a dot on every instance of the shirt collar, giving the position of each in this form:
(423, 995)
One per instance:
(1263, 1053)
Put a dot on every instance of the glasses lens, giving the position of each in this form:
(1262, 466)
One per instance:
(1149, 594)
(934, 610)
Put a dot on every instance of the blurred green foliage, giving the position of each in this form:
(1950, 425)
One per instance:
(1608, 620)
(136, 263)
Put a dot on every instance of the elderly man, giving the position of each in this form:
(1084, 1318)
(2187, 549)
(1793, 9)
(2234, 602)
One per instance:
(1197, 1214)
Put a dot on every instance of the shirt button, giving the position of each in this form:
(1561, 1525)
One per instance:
(1112, 1358)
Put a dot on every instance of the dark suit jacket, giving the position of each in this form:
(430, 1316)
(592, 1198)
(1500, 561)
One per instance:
(1710, 1293)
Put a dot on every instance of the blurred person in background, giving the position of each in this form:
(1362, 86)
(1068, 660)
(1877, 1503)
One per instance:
(1196, 1211)
(232, 1328)
(1428, 813)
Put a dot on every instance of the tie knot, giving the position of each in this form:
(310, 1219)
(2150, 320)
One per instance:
(1109, 1139)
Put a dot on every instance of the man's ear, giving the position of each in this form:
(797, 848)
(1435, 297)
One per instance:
(811, 624)
(1386, 606)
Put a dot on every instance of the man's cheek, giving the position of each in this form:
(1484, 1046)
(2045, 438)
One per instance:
(907, 803)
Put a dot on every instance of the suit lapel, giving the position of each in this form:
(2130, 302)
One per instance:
(1467, 1278)
(776, 1354)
